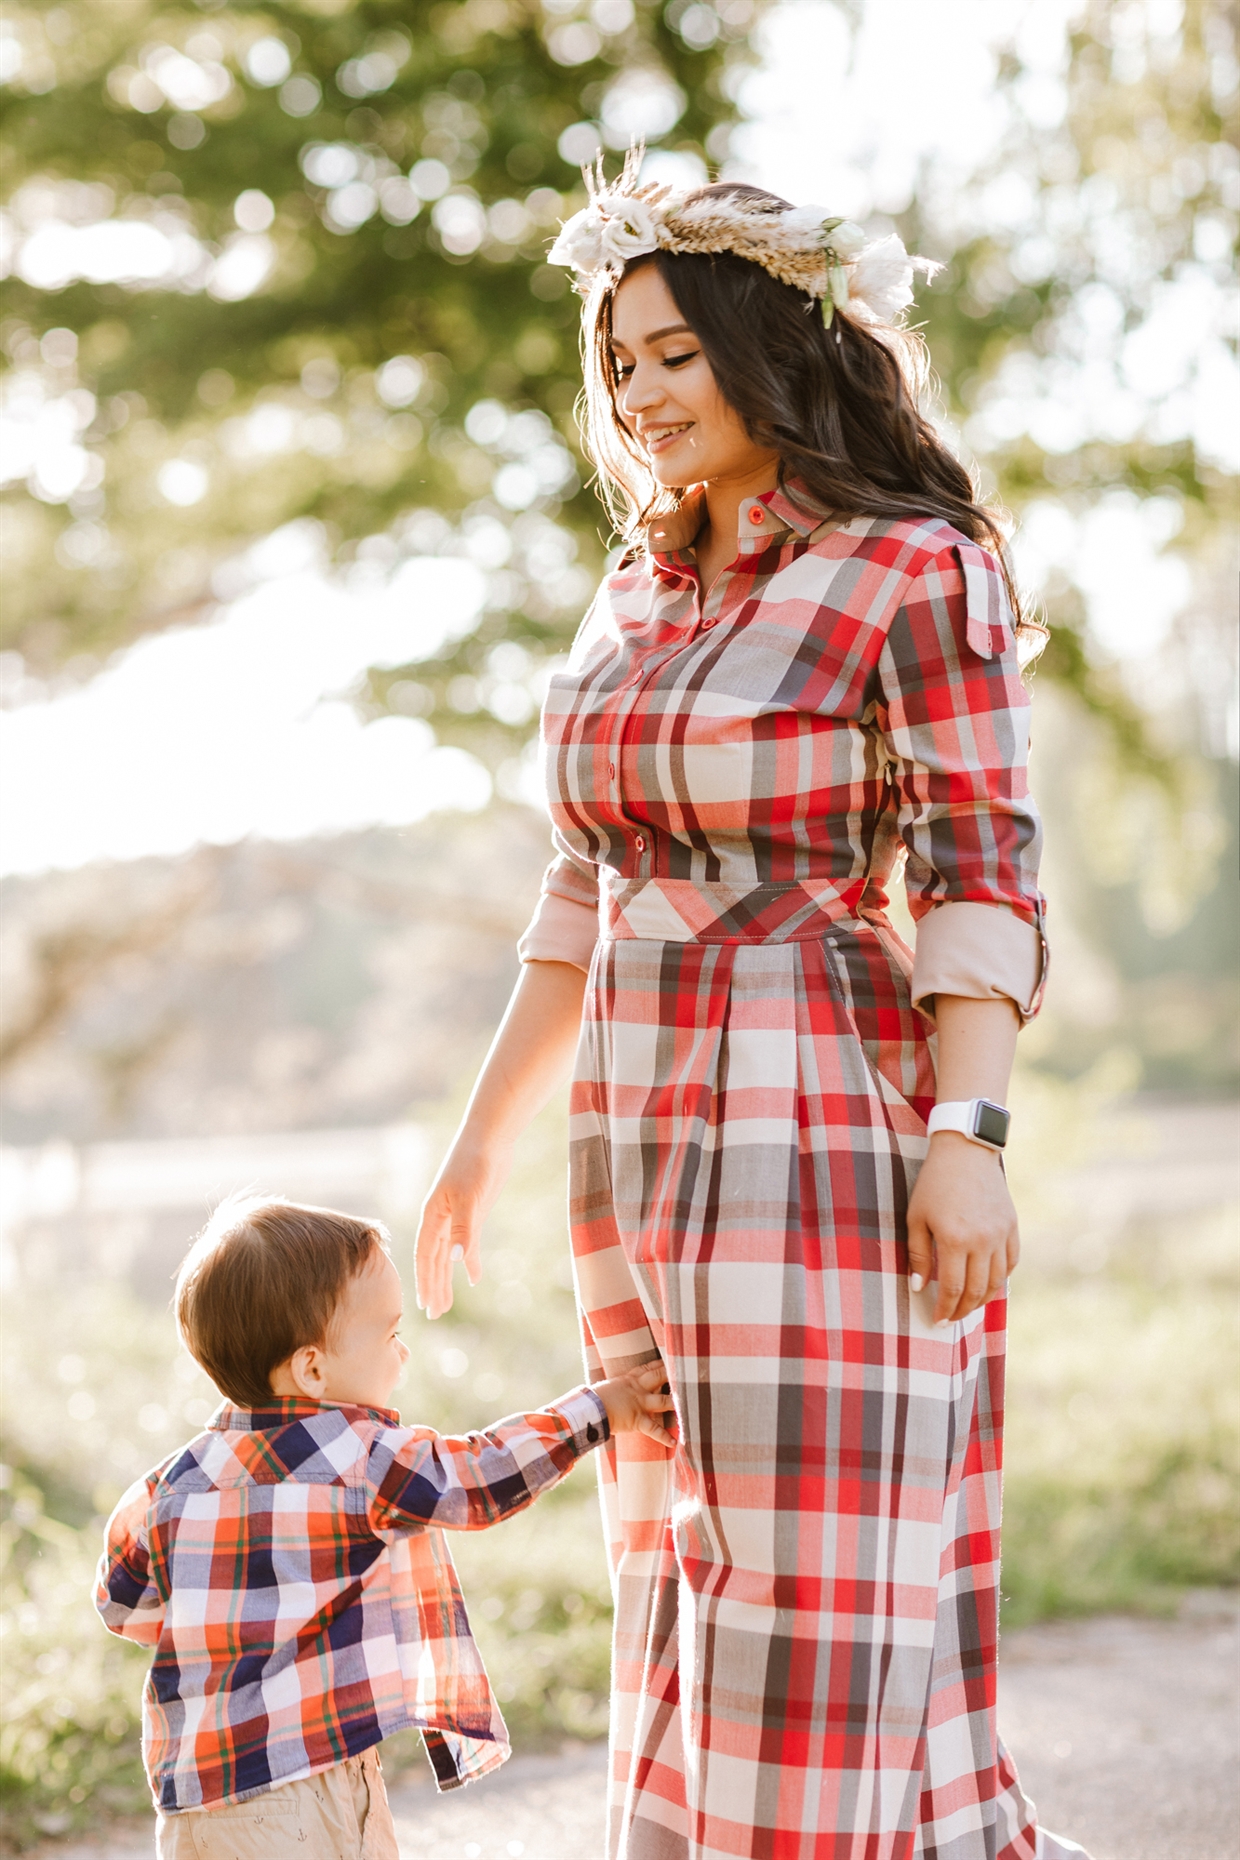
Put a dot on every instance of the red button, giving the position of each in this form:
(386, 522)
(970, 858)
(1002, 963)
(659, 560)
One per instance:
(641, 844)
(611, 771)
(756, 513)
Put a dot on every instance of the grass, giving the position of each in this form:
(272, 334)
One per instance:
(1121, 1484)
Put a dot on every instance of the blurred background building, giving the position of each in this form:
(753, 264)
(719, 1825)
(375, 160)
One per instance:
(295, 524)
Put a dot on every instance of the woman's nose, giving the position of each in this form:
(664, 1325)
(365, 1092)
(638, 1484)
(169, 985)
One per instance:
(641, 392)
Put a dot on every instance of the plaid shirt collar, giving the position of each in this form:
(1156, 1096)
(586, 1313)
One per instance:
(281, 1410)
(760, 521)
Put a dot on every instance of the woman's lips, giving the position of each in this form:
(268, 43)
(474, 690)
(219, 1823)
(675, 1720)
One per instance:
(660, 442)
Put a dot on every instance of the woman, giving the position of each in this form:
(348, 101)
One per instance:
(803, 672)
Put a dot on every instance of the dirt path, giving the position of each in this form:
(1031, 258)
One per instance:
(1126, 1733)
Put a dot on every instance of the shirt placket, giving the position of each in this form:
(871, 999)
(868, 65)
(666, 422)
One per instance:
(759, 529)
(628, 702)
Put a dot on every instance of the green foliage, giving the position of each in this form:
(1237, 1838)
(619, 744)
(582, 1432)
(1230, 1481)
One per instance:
(254, 381)
(1088, 223)
(1124, 1467)
(357, 267)
(69, 1711)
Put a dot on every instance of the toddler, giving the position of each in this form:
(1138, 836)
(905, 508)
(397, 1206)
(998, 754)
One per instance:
(288, 1567)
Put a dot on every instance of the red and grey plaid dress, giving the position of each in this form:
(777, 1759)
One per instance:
(806, 1592)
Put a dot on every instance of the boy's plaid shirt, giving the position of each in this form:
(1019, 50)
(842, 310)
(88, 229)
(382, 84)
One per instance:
(290, 1571)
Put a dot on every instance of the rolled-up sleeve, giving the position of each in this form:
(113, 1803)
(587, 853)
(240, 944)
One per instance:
(980, 951)
(954, 718)
(564, 927)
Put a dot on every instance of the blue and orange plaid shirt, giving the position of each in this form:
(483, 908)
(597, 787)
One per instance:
(289, 1569)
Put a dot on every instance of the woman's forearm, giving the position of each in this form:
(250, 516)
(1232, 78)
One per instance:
(531, 1054)
(977, 1043)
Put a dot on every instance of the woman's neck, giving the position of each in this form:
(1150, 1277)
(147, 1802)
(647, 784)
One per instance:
(716, 542)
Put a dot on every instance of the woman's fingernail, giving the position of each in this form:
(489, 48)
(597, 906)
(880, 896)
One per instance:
(917, 1283)
(941, 1323)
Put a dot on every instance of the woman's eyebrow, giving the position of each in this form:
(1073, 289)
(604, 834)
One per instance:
(656, 335)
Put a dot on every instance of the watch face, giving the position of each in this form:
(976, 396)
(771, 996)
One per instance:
(991, 1123)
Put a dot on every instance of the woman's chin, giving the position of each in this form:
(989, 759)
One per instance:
(673, 468)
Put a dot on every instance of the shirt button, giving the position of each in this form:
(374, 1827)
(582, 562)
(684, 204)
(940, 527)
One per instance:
(757, 514)
(611, 771)
(640, 843)
(592, 1433)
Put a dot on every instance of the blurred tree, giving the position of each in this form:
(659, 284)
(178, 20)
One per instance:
(268, 259)
(281, 270)
(1082, 329)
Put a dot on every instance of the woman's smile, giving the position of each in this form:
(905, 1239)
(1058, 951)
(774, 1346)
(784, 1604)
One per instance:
(660, 439)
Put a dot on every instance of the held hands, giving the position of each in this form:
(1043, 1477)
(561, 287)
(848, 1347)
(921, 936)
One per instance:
(961, 1227)
(639, 1402)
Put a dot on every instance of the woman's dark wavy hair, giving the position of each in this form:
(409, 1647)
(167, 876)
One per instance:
(839, 404)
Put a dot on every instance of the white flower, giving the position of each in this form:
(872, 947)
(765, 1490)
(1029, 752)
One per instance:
(629, 228)
(804, 222)
(883, 278)
(815, 226)
(847, 241)
(580, 243)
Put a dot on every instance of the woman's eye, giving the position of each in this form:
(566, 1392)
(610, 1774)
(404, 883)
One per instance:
(678, 361)
(622, 374)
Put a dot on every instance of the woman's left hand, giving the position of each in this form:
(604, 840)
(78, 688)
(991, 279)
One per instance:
(962, 1227)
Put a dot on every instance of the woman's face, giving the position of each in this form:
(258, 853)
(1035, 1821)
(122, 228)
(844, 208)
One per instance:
(667, 395)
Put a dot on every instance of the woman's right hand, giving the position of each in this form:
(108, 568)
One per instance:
(529, 1058)
(461, 1197)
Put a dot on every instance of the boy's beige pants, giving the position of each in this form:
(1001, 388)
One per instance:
(340, 1814)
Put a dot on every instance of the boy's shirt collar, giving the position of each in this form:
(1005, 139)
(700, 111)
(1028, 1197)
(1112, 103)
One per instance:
(283, 1409)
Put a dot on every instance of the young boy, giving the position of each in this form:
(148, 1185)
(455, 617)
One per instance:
(289, 1567)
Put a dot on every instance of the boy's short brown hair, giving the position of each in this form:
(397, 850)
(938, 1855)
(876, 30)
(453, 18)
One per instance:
(264, 1278)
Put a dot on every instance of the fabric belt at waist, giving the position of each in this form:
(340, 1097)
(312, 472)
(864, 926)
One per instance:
(678, 910)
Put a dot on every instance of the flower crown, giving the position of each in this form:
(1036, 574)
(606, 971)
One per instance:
(826, 258)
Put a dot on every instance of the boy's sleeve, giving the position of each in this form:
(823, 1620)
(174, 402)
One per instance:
(465, 1482)
(126, 1595)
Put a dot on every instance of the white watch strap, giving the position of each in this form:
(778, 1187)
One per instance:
(957, 1114)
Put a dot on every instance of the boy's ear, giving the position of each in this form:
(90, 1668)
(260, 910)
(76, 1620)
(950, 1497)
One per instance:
(303, 1373)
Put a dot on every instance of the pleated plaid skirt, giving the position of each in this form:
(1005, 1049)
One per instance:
(806, 1592)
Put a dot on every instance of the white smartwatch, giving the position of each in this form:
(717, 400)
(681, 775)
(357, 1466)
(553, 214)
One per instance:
(975, 1118)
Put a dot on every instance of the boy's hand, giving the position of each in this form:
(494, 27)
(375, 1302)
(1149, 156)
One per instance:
(639, 1402)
